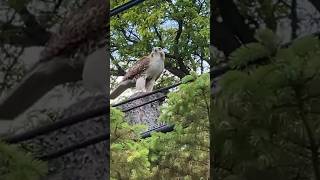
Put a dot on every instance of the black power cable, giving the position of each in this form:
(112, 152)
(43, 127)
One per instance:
(98, 139)
(64, 151)
(151, 101)
(148, 94)
(163, 129)
(124, 7)
(79, 118)
(57, 125)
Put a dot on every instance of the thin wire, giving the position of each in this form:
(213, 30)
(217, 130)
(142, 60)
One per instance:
(148, 94)
(98, 139)
(57, 125)
(64, 151)
(79, 118)
(148, 102)
(124, 7)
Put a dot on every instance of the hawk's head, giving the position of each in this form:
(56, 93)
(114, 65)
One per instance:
(158, 51)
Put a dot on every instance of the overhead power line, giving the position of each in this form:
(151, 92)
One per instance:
(64, 151)
(57, 125)
(163, 129)
(151, 101)
(98, 139)
(90, 114)
(124, 7)
(80, 118)
(148, 94)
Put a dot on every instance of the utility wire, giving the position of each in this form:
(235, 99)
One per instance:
(163, 129)
(214, 72)
(148, 102)
(64, 151)
(148, 94)
(124, 7)
(57, 125)
(78, 118)
(81, 117)
(98, 139)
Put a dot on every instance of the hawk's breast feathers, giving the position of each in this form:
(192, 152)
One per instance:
(143, 73)
(150, 66)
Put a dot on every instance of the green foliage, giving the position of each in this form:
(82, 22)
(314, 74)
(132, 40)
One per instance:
(185, 152)
(181, 27)
(266, 46)
(247, 53)
(17, 165)
(268, 39)
(266, 119)
(193, 75)
(129, 155)
(182, 153)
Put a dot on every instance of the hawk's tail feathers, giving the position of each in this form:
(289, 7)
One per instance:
(124, 85)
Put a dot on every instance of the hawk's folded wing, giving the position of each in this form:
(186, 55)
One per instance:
(137, 69)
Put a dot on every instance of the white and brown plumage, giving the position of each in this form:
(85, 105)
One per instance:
(143, 74)
(82, 29)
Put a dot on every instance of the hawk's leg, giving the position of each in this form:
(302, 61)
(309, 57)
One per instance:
(141, 84)
(150, 84)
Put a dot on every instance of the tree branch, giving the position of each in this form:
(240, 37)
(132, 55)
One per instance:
(294, 19)
(232, 29)
(16, 35)
(179, 31)
(174, 70)
(310, 133)
(127, 37)
(157, 33)
(176, 54)
(33, 29)
(44, 76)
(316, 4)
(119, 71)
(31, 34)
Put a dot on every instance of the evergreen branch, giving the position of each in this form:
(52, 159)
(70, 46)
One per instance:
(310, 133)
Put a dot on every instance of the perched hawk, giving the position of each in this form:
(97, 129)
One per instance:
(80, 33)
(143, 74)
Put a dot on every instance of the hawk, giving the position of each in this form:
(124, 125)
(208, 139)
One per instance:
(80, 34)
(81, 29)
(143, 74)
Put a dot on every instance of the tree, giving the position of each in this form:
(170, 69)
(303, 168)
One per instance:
(266, 117)
(181, 27)
(240, 19)
(16, 164)
(182, 153)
